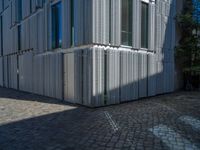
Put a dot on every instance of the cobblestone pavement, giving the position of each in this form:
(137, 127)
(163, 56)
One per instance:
(29, 121)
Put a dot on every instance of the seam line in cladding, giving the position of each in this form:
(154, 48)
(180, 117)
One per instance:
(74, 49)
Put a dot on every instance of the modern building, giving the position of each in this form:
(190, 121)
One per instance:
(89, 52)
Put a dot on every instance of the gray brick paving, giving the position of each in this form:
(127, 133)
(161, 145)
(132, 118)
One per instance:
(32, 122)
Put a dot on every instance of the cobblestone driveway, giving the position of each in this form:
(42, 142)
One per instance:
(29, 121)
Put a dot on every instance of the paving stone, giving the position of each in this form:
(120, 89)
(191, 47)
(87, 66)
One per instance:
(29, 121)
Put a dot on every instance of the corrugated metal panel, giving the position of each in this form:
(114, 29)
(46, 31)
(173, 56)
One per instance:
(6, 31)
(97, 77)
(25, 35)
(136, 23)
(1, 6)
(1, 71)
(142, 70)
(88, 22)
(101, 21)
(41, 32)
(129, 75)
(14, 40)
(73, 77)
(26, 8)
(152, 26)
(66, 24)
(38, 75)
(160, 78)
(33, 33)
(69, 78)
(53, 75)
(152, 74)
(78, 22)
(6, 3)
(5, 63)
(112, 81)
(115, 22)
(87, 76)
(26, 72)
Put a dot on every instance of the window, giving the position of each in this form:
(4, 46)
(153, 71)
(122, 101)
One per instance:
(19, 10)
(127, 15)
(72, 22)
(19, 37)
(144, 25)
(31, 9)
(56, 25)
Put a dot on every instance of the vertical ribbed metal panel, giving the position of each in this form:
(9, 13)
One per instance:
(142, 70)
(5, 63)
(25, 35)
(46, 27)
(26, 72)
(160, 78)
(124, 71)
(13, 12)
(101, 21)
(87, 76)
(46, 75)
(115, 22)
(78, 22)
(1, 71)
(133, 75)
(38, 75)
(14, 39)
(97, 77)
(66, 24)
(12, 71)
(129, 75)
(26, 8)
(78, 76)
(112, 76)
(41, 31)
(73, 77)
(1, 6)
(6, 3)
(48, 70)
(69, 78)
(88, 21)
(6, 31)
(136, 23)
(152, 27)
(33, 33)
(151, 74)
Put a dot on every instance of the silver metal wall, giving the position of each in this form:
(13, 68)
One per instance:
(41, 74)
(95, 69)
(1, 71)
(99, 75)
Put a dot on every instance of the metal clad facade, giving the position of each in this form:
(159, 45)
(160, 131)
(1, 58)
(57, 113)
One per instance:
(91, 66)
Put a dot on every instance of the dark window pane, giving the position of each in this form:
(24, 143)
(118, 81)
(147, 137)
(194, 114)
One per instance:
(19, 10)
(144, 25)
(127, 15)
(72, 23)
(19, 37)
(57, 25)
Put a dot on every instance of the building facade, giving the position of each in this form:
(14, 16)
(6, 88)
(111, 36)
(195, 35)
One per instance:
(89, 52)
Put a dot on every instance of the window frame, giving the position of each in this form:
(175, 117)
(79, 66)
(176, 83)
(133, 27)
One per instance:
(58, 44)
(72, 23)
(19, 32)
(129, 45)
(146, 47)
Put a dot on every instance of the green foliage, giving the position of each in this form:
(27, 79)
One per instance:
(188, 51)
